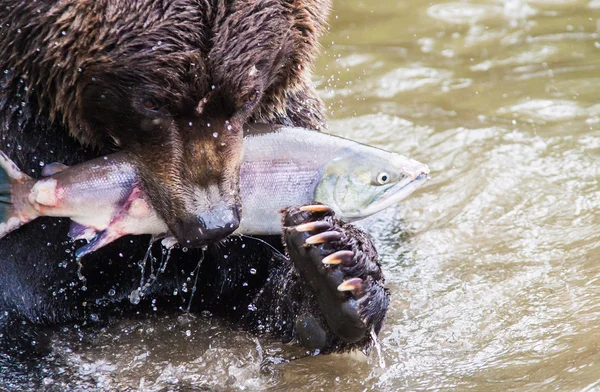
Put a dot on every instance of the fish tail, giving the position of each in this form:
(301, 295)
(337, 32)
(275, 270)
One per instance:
(10, 175)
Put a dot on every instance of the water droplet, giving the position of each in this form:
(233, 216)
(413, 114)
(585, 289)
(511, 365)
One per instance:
(253, 271)
(215, 134)
(251, 307)
(111, 292)
(134, 297)
(188, 333)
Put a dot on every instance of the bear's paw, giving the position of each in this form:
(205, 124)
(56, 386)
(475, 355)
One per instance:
(341, 266)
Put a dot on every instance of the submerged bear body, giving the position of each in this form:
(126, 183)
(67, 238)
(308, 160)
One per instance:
(172, 83)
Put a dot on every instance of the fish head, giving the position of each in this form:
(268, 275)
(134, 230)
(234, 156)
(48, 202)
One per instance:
(358, 182)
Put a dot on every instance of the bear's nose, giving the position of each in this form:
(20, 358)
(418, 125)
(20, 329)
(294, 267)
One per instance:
(208, 227)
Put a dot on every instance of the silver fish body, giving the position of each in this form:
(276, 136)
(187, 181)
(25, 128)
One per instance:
(293, 166)
(281, 167)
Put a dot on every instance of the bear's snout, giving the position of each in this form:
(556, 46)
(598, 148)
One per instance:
(207, 227)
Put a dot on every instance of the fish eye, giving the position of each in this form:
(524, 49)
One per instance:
(383, 178)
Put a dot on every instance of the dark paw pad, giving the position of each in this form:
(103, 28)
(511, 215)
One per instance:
(309, 331)
(341, 266)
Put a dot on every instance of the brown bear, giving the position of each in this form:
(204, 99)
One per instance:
(172, 82)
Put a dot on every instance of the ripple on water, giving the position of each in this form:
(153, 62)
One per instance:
(545, 110)
(409, 79)
(376, 129)
(463, 13)
(160, 354)
(533, 55)
(491, 293)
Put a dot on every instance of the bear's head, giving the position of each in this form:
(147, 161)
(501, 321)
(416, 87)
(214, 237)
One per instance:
(173, 83)
(182, 128)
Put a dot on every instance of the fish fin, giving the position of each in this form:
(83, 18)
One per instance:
(111, 233)
(9, 174)
(53, 168)
(78, 231)
(102, 239)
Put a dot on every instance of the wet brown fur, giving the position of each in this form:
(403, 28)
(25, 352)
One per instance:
(157, 78)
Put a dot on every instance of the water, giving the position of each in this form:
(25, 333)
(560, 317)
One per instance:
(493, 266)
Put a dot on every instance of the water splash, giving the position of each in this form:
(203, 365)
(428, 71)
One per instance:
(378, 349)
(147, 281)
(196, 272)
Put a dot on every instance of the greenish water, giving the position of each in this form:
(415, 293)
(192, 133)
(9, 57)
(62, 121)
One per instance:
(494, 266)
(498, 284)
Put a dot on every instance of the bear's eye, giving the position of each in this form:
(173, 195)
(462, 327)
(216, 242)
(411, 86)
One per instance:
(151, 104)
(250, 100)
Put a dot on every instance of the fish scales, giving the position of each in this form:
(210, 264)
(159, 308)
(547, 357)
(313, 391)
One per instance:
(287, 182)
(281, 167)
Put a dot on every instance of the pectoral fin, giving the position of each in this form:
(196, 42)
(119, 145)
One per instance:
(102, 239)
(53, 168)
(81, 232)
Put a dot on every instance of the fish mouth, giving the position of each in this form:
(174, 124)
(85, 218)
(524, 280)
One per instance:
(388, 197)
